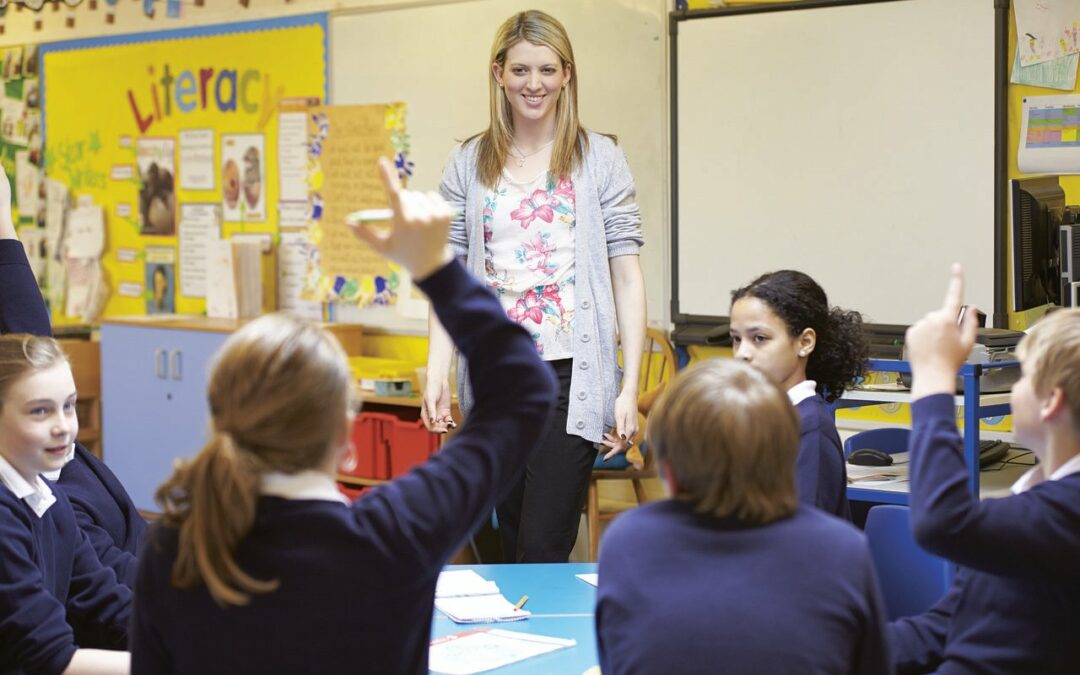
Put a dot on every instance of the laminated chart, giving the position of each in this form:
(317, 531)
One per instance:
(1050, 135)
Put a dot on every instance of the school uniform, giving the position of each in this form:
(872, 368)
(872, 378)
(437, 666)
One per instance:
(820, 471)
(357, 583)
(22, 309)
(104, 511)
(682, 591)
(50, 580)
(1013, 607)
(102, 507)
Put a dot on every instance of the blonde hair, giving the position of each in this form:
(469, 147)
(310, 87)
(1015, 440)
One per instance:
(279, 393)
(22, 354)
(571, 142)
(730, 437)
(1051, 355)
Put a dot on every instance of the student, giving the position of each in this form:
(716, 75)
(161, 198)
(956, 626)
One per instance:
(1015, 604)
(103, 508)
(549, 222)
(781, 323)
(733, 574)
(256, 541)
(50, 578)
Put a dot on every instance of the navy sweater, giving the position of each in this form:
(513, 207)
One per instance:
(51, 580)
(820, 472)
(1015, 605)
(357, 584)
(102, 506)
(688, 593)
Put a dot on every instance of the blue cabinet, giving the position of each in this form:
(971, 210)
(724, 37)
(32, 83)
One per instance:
(154, 410)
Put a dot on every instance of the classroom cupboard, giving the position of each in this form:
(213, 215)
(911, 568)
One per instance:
(153, 383)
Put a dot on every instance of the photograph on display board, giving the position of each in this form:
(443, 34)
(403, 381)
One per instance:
(156, 158)
(160, 280)
(13, 61)
(30, 61)
(243, 177)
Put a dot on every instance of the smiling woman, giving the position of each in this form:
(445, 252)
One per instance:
(548, 219)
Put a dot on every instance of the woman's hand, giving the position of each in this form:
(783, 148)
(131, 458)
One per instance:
(626, 425)
(435, 408)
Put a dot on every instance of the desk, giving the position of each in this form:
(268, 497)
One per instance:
(561, 604)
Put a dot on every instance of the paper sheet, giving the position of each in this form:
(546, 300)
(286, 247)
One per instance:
(483, 650)
(591, 579)
(1046, 29)
(457, 583)
(293, 251)
(1056, 74)
(480, 609)
(85, 232)
(197, 159)
(200, 224)
(1050, 134)
(292, 156)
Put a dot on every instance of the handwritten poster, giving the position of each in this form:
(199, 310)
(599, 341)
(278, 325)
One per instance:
(344, 146)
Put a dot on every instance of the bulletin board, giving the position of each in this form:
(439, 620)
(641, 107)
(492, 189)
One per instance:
(175, 135)
(861, 152)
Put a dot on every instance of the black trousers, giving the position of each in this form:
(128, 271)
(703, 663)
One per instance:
(538, 520)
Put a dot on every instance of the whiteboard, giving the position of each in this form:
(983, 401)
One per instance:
(434, 57)
(855, 143)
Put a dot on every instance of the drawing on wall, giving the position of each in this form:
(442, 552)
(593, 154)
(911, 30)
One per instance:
(243, 177)
(156, 158)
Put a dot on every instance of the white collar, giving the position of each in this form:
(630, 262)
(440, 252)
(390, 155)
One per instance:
(802, 391)
(55, 475)
(37, 495)
(309, 484)
(1035, 476)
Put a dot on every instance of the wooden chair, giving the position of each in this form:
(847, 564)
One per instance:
(658, 365)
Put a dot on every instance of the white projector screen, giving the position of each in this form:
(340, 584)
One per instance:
(853, 142)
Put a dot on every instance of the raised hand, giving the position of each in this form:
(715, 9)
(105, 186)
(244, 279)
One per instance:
(417, 238)
(938, 346)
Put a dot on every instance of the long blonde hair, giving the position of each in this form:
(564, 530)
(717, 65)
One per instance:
(571, 141)
(730, 438)
(279, 394)
(22, 355)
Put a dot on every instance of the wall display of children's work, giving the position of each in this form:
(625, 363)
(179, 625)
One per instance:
(20, 128)
(184, 124)
(344, 145)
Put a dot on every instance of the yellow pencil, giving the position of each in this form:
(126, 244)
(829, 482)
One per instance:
(521, 602)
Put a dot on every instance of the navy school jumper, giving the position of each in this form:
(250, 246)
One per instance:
(51, 580)
(102, 506)
(358, 583)
(820, 472)
(1015, 605)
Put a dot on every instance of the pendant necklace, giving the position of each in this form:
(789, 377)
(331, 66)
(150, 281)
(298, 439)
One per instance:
(521, 156)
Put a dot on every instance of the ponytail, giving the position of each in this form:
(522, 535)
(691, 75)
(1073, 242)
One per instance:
(212, 500)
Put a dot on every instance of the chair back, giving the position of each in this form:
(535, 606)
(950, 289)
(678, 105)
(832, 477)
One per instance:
(911, 579)
(889, 440)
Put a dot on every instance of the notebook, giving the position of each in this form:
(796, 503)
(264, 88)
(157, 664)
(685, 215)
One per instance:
(480, 609)
(478, 651)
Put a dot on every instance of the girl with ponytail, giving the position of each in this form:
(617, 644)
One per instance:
(259, 564)
(782, 324)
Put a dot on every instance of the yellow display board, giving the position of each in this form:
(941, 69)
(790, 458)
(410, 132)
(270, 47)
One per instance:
(176, 136)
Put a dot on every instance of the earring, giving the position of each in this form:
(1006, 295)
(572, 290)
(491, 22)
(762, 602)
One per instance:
(802, 354)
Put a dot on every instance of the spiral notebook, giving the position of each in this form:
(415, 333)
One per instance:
(480, 609)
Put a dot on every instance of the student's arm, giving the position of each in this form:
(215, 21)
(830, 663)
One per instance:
(424, 516)
(97, 602)
(1033, 534)
(148, 652)
(918, 642)
(33, 630)
(22, 309)
(121, 562)
(872, 655)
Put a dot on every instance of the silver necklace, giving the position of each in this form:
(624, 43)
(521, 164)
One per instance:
(521, 156)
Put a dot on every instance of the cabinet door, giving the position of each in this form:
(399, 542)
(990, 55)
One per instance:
(153, 402)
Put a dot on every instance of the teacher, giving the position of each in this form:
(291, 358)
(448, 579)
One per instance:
(547, 218)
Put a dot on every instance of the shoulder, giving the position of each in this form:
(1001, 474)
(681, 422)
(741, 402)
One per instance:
(813, 414)
(162, 542)
(602, 146)
(838, 537)
(464, 153)
(641, 522)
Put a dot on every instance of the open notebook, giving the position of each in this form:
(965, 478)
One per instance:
(466, 597)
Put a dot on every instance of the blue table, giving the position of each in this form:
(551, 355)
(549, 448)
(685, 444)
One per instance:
(561, 604)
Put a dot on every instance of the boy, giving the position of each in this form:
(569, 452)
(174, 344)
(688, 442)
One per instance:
(1013, 607)
(733, 574)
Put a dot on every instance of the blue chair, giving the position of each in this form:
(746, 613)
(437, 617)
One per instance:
(911, 579)
(889, 440)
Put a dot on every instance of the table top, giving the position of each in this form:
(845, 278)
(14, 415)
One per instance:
(561, 604)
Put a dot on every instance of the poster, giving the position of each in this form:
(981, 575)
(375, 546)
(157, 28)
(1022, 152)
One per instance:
(197, 159)
(345, 144)
(200, 225)
(1046, 29)
(243, 177)
(156, 161)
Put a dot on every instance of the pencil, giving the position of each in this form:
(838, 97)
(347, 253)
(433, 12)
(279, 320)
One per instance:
(521, 602)
(368, 215)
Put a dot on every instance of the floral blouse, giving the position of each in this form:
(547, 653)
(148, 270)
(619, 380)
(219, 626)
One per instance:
(529, 257)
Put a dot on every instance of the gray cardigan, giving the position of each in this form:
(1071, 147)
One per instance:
(608, 224)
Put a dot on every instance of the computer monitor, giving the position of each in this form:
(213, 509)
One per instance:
(1037, 208)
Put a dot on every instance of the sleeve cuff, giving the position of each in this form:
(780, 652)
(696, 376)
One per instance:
(621, 248)
(440, 286)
